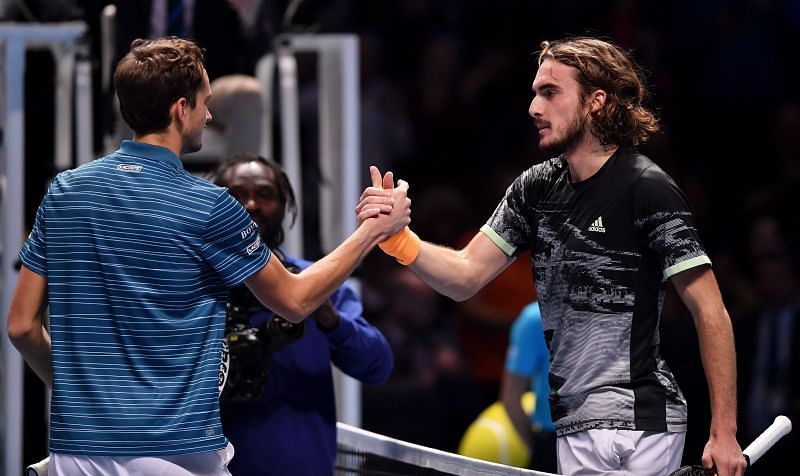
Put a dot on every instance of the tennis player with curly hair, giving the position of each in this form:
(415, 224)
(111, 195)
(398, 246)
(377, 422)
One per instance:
(607, 228)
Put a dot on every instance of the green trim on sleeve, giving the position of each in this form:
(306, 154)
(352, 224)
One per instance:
(498, 240)
(684, 265)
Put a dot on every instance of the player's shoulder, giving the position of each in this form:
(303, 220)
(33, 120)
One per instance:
(546, 171)
(530, 316)
(203, 185)
(548, 168)
(531, 311)
(639, 164)
(643, 171)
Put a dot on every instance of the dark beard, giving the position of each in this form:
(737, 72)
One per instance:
(190, 147)
(572, 136)
(273, 234)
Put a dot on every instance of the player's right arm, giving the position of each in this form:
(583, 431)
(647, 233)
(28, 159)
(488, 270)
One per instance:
(459, 274)
(295, 296)
(25, 327)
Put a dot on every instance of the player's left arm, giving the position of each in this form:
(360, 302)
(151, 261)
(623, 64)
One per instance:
(25, 327)
(698, 289)
(512, 388)
(358, 348)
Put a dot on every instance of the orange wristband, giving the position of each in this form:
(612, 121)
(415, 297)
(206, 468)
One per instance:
(404, 246)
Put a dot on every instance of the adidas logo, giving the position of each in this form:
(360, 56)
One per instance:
(597, 226)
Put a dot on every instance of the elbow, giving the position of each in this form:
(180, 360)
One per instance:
(296, 314)
(466, 282)
(380, 370)
(298, 311)
(459, 295)
(384, 369)
(19, 330)
(462, 290)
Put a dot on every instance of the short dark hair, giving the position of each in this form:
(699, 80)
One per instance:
(285, 191)
(624, 120)
(152, 76)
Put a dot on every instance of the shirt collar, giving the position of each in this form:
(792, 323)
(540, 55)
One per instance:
(149, 151)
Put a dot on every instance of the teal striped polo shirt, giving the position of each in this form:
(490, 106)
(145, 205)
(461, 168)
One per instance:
(138, 255)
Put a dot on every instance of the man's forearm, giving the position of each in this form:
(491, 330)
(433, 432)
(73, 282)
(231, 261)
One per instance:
(25, 329)
(295, 296)
(460, 274)
(320, 280)
(715, 335)
(36, 349)
(445, 270)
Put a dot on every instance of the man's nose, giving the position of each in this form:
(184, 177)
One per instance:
(250, 204)
(533, 109)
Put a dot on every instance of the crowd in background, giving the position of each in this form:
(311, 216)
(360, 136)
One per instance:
(445, 91)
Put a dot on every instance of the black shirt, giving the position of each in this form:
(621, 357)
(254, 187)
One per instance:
(602, 250)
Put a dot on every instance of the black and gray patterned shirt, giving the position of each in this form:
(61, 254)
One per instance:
(602, 250)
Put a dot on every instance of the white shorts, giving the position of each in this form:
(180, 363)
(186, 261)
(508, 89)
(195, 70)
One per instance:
(620, 452)
(209, 463)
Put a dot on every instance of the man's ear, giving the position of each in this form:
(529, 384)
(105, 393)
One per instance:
(597, 99)
(178, 109)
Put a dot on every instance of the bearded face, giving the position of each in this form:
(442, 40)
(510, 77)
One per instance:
(255, 186)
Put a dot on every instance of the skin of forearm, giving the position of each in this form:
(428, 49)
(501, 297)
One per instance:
(518, 419)
(446, 271)
(295, 296)
(715, 335)
(36, 347)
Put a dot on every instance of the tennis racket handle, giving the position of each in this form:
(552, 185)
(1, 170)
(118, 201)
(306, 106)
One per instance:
(38, 469)
(779, 428)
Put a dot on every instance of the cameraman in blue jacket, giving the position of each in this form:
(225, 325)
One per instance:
(282, 418)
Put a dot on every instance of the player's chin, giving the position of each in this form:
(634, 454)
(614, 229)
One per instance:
(193, 147)
(550, 146)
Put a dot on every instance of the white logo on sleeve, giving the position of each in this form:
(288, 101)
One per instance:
(254, 245)
(597, 226)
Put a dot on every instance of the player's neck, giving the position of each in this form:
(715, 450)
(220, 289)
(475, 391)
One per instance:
(586, 157)
(168, 139)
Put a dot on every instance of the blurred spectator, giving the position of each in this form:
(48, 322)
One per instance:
(526, 369)
(767, 342)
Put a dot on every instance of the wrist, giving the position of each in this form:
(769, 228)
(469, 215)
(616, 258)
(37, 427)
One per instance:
(369, 233)
(404, 246)
(723, 428)
(327, 318)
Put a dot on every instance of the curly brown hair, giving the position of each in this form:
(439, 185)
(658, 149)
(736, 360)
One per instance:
(152, 76)
(624, 120)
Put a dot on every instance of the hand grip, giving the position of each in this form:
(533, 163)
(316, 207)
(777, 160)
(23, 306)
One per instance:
(777, 430)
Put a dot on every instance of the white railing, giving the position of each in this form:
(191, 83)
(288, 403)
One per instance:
(62, 39)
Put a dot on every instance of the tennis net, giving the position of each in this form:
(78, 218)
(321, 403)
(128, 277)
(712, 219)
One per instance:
(362, 452)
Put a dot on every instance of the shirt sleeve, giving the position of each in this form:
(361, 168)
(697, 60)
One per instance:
(233, 245)
(34, 251)
(666, 223)
(510, 226)
(357, 348)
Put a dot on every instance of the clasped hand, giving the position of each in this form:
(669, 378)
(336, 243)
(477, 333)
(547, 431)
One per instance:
(388, 204)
